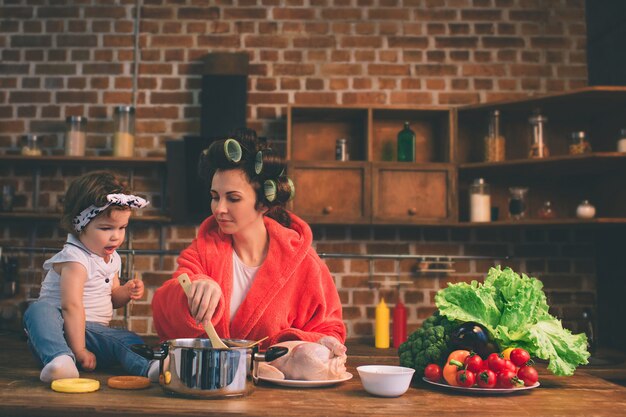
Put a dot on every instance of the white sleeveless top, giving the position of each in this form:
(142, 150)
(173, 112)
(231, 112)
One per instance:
(243, 275)
(97, 290)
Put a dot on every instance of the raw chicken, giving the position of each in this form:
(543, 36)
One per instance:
(307, 361)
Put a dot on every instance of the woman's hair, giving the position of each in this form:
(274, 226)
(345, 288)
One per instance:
(87, 190)
(270, 165)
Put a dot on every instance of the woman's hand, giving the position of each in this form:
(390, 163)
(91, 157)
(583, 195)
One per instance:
(86, 359)
(334, 345)
(205, 295)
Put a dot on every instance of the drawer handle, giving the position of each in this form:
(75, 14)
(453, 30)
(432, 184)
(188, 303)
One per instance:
(328, 210)
(412, 211)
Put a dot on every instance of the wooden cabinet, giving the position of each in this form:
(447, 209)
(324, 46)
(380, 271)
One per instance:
(371, 187)
(332, 193)
(404, 194)
(563, 179)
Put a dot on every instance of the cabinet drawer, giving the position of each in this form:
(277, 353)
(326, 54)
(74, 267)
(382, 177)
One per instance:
(409, 194)
(331, 192)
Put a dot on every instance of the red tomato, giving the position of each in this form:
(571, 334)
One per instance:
(496, 362)
(465, 378)
(519, 356)
(486, 379)
(509, 379)
(474, 363)
(509, 365)
(528, 374)
(432, 372)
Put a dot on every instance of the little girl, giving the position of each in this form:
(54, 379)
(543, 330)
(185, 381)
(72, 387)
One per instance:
(69, 323)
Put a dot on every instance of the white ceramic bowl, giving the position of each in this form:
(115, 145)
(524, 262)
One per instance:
(385, 381)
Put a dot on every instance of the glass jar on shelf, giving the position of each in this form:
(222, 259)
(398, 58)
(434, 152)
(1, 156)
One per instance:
(75, 137)
(124, 136)
(538, 148)
(546, 211)
(621, 143)
(480, 201)
(585, 210)
(518, 206)
(494, 142)
(30, 145)
(579, 143)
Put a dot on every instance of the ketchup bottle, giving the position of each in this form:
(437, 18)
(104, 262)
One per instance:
(399, 324)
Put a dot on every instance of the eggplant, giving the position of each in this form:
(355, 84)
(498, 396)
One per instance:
(474, 337)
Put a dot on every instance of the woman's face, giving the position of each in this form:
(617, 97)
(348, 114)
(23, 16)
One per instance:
(233, 201)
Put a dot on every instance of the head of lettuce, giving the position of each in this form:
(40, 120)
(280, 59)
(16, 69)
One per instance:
(515, 311)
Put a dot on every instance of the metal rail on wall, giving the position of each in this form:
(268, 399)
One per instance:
(426, 265)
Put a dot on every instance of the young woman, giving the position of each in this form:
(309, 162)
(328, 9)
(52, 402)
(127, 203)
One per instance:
(69, 323)
(253, 270)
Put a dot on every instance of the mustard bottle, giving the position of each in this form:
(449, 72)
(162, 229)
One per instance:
(382, 325)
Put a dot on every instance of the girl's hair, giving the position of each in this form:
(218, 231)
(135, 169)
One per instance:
(214, 158)
(87, 190)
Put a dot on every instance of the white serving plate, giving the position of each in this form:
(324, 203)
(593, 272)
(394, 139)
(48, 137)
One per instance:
(307, 384)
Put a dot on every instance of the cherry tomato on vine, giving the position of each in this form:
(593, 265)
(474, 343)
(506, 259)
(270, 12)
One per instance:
(486, 379)
(465, 378)
(519, 356)
(509, 379)
(496, 362)
(509, 365)
(432, 372)
(528, 374)
(474, 363)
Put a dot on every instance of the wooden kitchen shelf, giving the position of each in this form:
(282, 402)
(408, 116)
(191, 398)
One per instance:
(48, 217)
(83, 160)
(596, 163)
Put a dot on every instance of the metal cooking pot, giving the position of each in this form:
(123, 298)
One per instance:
(195, 368)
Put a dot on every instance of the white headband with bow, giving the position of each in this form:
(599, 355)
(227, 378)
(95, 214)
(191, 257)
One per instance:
(92, 211)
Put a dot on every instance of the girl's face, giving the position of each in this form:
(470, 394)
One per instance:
(233, 201)
(105, 233)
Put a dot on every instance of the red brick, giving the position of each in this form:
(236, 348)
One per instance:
(433, 29)
(289, 84)
(387, 14)
(108, 69)
(315, 98)
(198, 13)
(29, 97)
(31, 41)
(285, 13)
(502, 42)
(456, 42)
(171, 98)
(429, 15)
(488, 15)
(116, 41)
(338, 13)
(531, 70)
(314, 42)
(388, 69)
(294, 69)
(483, 70)
(426, 70)
(408, 42)
(411, 98)
(219, 41)
(247, 13)
(360, 42)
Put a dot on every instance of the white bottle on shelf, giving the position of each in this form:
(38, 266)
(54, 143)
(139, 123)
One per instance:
(585, 210)
(480, 201)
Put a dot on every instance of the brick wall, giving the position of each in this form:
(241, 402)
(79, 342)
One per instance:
(78, 59)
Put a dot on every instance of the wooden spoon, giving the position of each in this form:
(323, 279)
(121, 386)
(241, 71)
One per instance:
(243, 345)
(216, 342)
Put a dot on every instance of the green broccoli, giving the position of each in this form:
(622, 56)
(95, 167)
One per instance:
(428, 344)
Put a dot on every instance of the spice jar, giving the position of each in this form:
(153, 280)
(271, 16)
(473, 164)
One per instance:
(341, 150)
(585, 210)
(124, 136)
(579, 144)
(480, 201)
(546, 211)
(494, 142)
(538, 149)
(30, 145)
(75, 137)
(517, 202)
(621, 143)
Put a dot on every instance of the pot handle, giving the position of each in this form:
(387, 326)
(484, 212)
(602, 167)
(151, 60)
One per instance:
(149, 353)
(270, 354)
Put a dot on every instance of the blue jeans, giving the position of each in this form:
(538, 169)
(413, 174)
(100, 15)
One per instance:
(44, 325)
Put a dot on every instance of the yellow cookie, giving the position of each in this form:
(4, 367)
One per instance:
(75, 385)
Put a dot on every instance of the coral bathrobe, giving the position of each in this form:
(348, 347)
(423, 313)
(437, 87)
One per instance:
(292, 297)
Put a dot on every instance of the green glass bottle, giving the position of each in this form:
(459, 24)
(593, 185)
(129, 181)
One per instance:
(406, 144)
